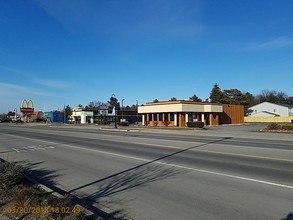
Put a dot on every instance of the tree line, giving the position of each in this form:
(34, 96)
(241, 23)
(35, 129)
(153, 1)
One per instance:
(112, 102)
(235, 96)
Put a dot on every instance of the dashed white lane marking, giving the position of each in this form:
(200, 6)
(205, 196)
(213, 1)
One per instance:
(188, 168)
(15, 150)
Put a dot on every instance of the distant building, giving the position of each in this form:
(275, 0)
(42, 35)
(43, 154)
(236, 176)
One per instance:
(106, 113)
(82, 117)
(178, 113)
(31, 117)
(53, 116)
(131, 116)
(270, 109)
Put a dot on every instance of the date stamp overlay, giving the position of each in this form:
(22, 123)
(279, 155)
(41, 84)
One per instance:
(42, 210)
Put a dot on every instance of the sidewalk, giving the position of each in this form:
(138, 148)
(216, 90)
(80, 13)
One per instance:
(253, 131)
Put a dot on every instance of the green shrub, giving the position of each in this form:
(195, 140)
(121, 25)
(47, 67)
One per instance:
(274, 126)
(196, 124)
(123, 123)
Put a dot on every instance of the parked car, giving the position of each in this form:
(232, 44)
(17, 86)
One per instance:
(17, 121)
(39, 120)
(5, 120)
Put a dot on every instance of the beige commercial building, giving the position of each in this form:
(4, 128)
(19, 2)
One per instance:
(178, 113)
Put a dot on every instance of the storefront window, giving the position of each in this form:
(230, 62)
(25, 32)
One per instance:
(166, 117)
(160, 117)
(171, 116)
(150, 117)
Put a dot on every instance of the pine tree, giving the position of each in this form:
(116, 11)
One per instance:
(216, 95)
(173, 99)
(194, 98)
(114, 102)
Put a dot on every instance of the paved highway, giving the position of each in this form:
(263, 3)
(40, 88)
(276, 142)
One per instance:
(161, 175)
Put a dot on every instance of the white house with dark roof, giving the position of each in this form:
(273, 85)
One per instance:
(270, 109)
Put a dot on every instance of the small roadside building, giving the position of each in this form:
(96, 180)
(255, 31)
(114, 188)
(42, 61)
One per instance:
(53, 116)
(82, 117)
(178, 113)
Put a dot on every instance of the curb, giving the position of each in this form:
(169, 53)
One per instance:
(116, 129)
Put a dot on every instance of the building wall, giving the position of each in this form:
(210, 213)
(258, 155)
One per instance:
(214, 119)
(162, 108)
(270, 107)
(55, 116)
(232, 114)
(83, 117)
(179, 107)
(181, 120)
(261, 114)
(250, 119)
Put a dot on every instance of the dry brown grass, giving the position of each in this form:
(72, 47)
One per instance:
(29, 202)
(11, 174)
(280, 126)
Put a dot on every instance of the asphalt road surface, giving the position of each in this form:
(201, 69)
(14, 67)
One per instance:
(212, 174)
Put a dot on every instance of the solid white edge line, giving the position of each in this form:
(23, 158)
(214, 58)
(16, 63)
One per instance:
(188, 168)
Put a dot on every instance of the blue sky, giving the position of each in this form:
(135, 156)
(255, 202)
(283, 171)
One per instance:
(72, 52)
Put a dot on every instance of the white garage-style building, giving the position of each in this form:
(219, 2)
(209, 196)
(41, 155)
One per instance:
(270, 109)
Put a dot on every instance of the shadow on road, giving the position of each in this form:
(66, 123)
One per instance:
(32, 171)
(289, 216)
(134, 178)
(157, 160)
(125, 181)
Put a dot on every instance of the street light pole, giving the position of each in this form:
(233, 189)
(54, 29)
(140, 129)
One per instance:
(64, 114)
(137, 112)
(122, 108)
(115, 123)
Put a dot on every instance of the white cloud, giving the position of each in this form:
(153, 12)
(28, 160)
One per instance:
(37, 80)
(8, 90)
(68, 13)
(52, 83)
(281, 42)
(151, 18)
(12, 94)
